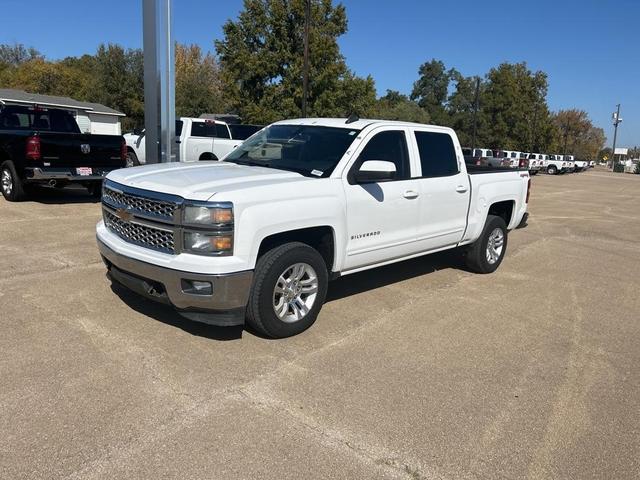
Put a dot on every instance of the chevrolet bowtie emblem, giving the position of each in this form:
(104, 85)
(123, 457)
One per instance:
(124, 214)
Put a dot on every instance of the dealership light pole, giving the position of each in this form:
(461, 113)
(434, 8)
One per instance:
(616, 121)
(159, 81)
(305, 67)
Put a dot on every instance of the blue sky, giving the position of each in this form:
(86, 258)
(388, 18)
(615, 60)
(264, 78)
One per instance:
(590, 49)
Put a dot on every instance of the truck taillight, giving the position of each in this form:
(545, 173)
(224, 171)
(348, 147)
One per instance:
(528, 190)
(123, 151)
(33, 148)
(523, 163)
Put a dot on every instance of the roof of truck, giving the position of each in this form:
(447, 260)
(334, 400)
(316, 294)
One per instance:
(342, 123)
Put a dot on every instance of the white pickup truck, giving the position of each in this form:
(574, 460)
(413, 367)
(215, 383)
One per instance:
(558, 164)
(199, 139)
(259, 235)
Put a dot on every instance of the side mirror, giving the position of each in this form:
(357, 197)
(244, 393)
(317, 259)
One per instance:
(138, 131)
(373, 171)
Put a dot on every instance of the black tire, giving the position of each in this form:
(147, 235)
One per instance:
(261, 313)
(132, 159)
(95, 190)
(15, 190)
(477, 253)
(552, 169)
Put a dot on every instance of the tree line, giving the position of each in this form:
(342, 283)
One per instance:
(257, 73)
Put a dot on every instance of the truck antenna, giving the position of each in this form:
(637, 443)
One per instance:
(352, 118)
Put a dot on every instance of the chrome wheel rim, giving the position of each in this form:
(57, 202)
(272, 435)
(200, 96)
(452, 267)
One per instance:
(7, 182)
(495, 245)
(129, 163)
(295, 292)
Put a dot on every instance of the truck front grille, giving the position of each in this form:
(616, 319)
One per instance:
(146, 236)
(138, 204)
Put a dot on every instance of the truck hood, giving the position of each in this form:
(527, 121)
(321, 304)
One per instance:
(201, 180)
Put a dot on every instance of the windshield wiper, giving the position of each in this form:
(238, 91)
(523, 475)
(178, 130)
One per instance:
(301, 171)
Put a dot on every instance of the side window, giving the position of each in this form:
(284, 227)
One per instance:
(222, 131)
(437, 154)
(390, 146)
(203, 129)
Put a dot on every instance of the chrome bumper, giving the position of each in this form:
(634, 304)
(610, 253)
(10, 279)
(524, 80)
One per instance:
(37, 173)
(225, 307)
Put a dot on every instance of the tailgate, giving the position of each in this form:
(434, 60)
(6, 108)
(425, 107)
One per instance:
(81, 150)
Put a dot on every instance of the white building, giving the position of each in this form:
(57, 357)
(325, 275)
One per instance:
(91, 117)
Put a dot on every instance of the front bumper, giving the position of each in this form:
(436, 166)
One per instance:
(225, 307)
(64, 174)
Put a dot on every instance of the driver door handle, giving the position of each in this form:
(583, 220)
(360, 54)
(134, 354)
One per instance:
(461, 188)
(410, 194)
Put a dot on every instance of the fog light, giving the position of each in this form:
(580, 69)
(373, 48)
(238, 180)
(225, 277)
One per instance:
(196, 287)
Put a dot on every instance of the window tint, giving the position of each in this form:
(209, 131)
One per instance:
(242, 132)
(203, 129)
(178, 128)
(390, 146)
(222, 131)
(14, 117)
(437, 154)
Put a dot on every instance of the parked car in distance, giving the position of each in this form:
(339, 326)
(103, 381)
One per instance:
(44, 146)
(198, 139)
(556, 164)
(536, 163)
(259, 235)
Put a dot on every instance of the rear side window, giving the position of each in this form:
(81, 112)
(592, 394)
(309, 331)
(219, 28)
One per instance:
(390, 146)
(178, 128)
(203, 129)
(222, 131)
(437, 154)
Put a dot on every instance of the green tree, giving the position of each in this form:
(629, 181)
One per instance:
(198, 82)
(432, 88)
(460, 108)
(261, 57)
(17, 54)
(396, 106)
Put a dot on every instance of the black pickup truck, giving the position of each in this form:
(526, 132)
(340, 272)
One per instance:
(44, 145)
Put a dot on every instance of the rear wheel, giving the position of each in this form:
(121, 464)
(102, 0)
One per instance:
(12, 187)
(132, 159)
(288, 291)
(485, 254)
(552, 170)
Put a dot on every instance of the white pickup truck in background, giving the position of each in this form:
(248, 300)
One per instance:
(259, 235)
(199, 139)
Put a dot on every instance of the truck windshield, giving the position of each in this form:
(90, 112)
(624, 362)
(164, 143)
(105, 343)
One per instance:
(309, 150)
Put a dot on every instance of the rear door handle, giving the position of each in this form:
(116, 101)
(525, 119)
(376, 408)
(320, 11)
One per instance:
(410, 194)
(461, 188)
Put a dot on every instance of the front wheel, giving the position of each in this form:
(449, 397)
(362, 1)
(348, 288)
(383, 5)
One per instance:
(11, 185)
(552, 170)
(132, 159)
(289, 288)
(486, 253)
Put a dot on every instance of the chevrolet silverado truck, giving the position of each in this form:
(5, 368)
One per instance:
(198, 139)
(45, 146)
(258, 235)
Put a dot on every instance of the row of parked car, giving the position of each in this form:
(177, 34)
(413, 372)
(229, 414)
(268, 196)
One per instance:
(534, 162)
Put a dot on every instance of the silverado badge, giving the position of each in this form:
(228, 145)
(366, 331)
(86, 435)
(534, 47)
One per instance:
(85, 148)
(124, 214)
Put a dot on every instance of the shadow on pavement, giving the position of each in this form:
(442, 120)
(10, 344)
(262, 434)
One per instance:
(167, 315)
(57, 196)
(341, 288)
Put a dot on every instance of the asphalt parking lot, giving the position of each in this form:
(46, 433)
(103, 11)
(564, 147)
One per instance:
(418, 370)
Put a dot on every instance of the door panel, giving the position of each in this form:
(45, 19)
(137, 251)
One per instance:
(381, 216)
(444, 190)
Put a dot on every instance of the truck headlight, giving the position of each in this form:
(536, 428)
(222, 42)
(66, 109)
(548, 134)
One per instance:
(208, 215)
(208, 243)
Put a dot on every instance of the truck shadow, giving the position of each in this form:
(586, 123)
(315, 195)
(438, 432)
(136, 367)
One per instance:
(397, 272)
(58, 196)
(168, 316)
(338, 289)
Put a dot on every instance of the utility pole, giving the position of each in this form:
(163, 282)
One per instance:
(159, 81)
(305, 71)
(616, 121)
(475, 114)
